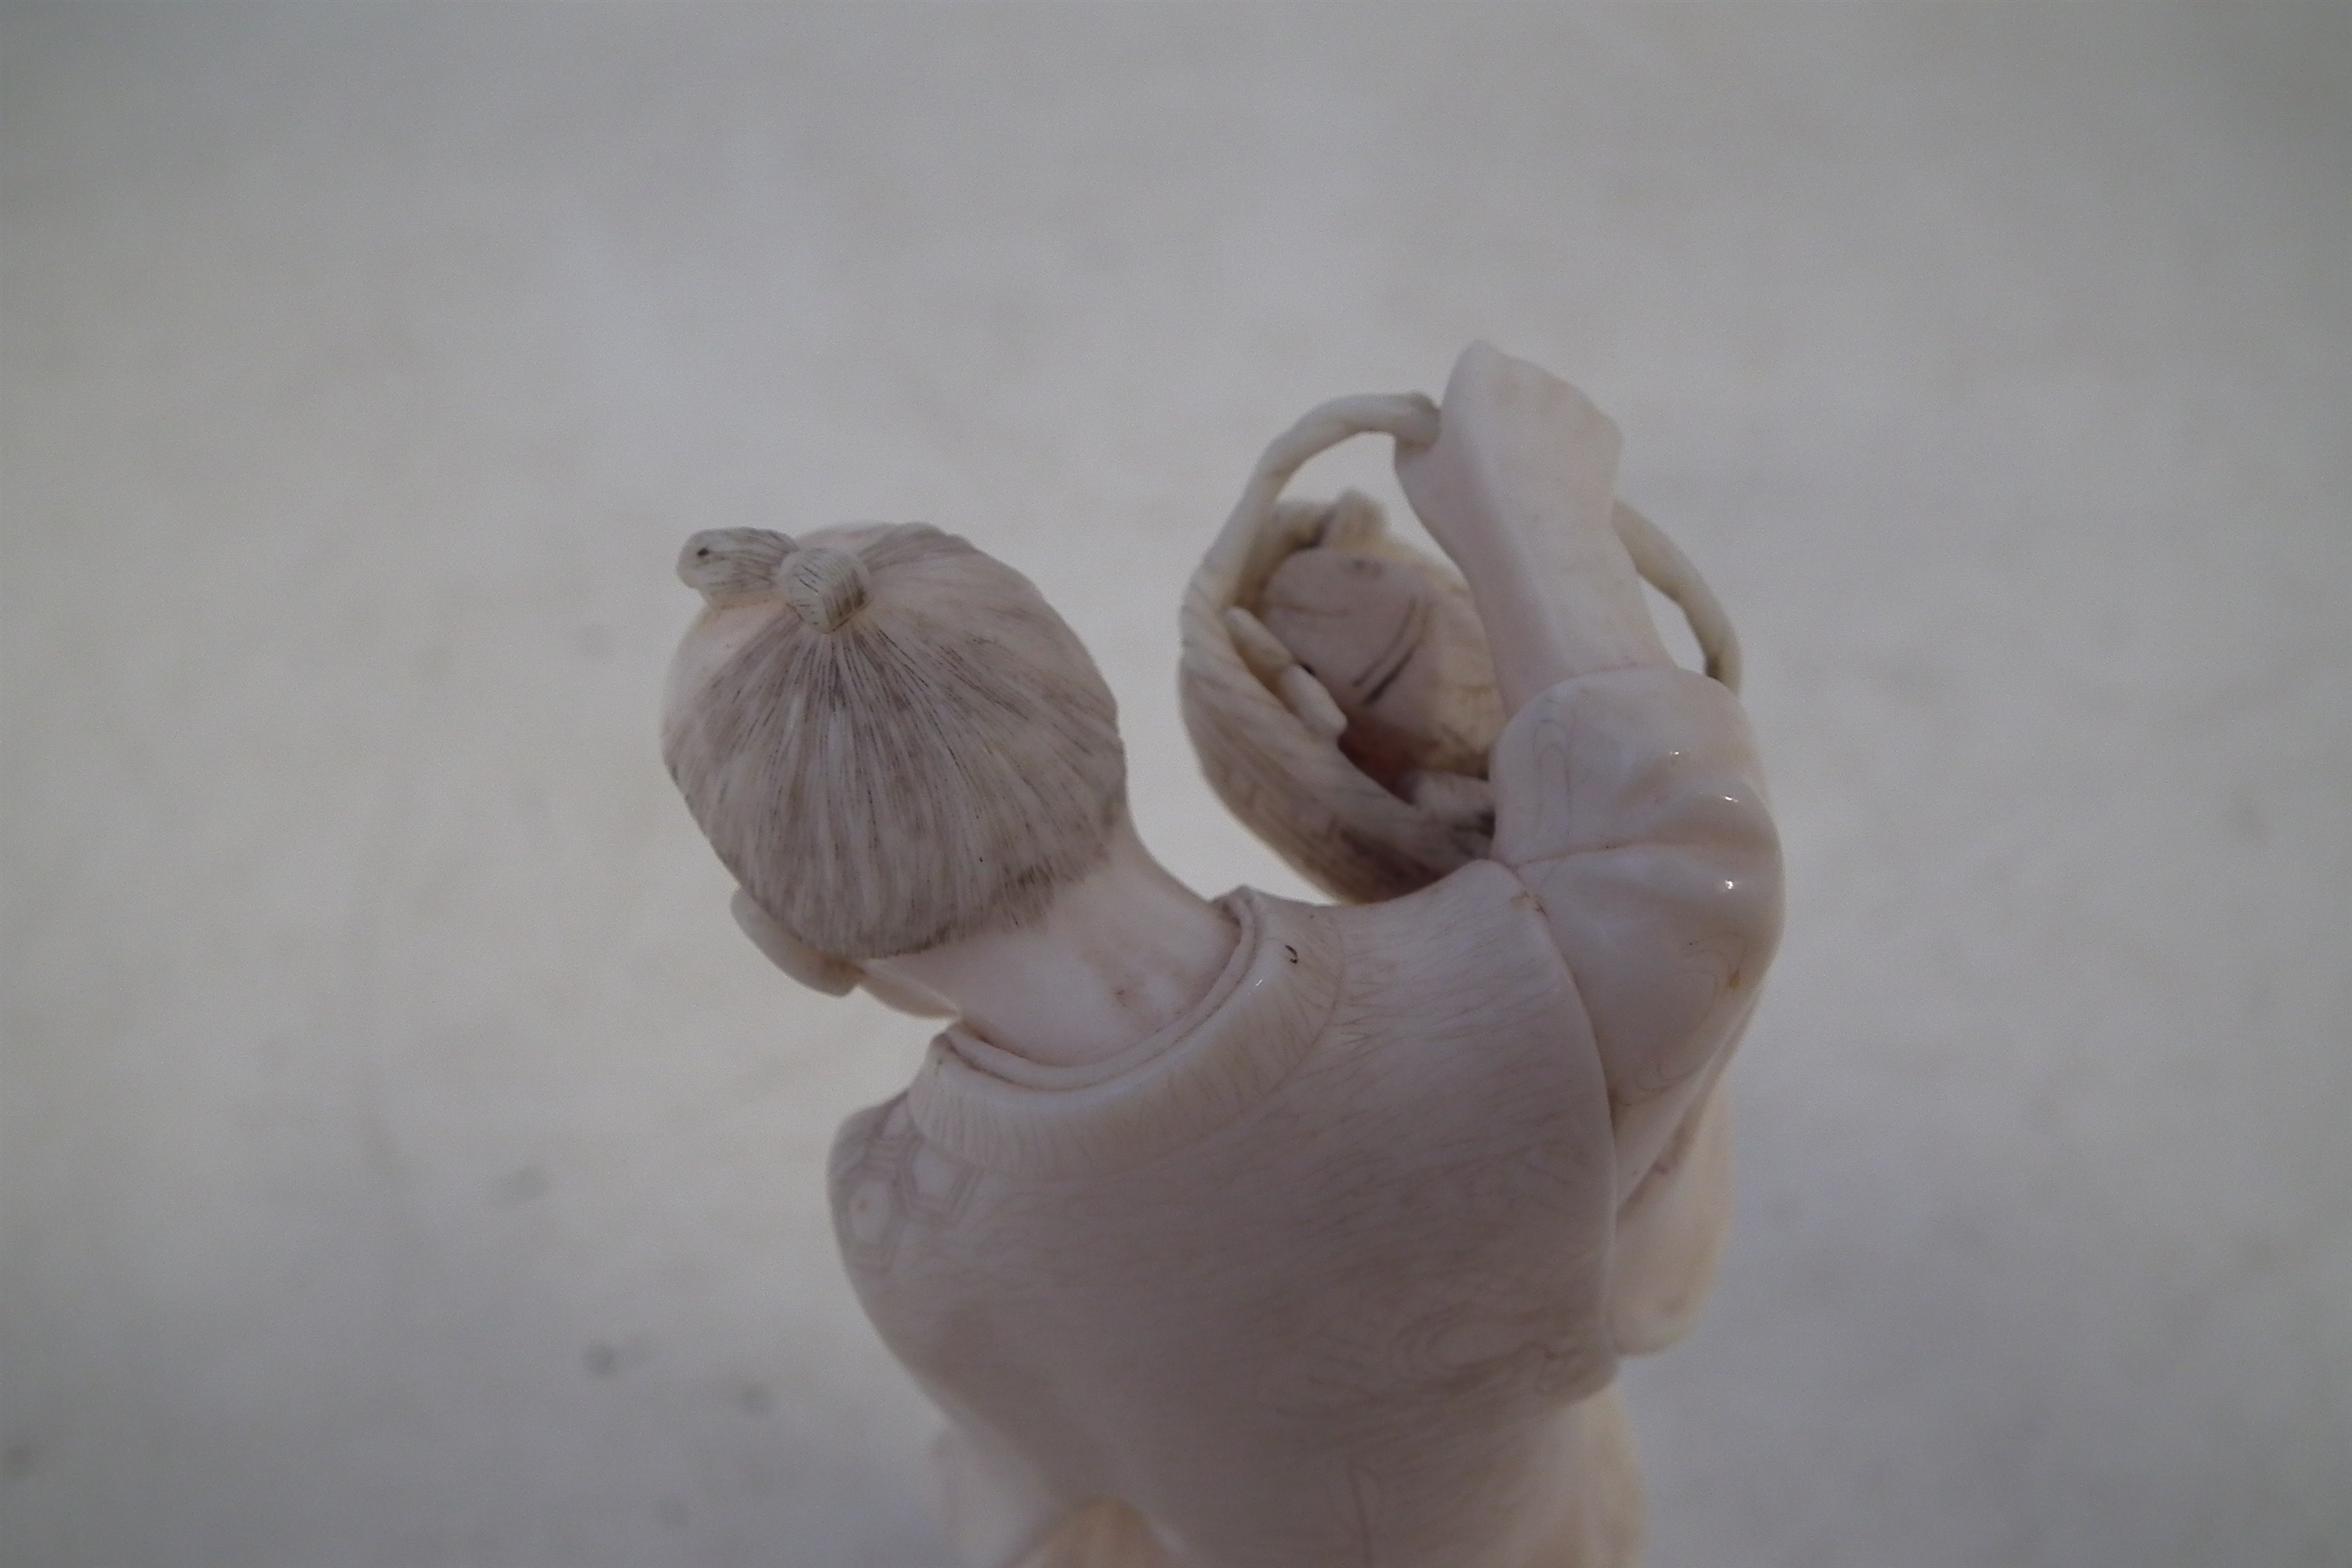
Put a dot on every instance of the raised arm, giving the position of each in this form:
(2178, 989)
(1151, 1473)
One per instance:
(1627, 793)
(1518, 489)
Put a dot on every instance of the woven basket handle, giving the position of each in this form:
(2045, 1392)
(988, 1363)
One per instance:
(1413, 420)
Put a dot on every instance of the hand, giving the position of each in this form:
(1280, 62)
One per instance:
(1519, 488)
(1518, 449)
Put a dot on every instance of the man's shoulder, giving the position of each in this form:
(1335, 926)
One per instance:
(885, 1179)
(1480, 919)
(864, 1135)
(862, 1177)
(1471, 954)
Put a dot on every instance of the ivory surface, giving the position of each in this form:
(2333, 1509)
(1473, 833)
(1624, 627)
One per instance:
(1259, 1234)
(382, 1065)
(1348, 727)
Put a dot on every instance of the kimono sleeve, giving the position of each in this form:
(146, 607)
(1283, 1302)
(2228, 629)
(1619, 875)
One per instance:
(1631, 803)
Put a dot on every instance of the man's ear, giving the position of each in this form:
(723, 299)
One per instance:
(823, 972)
(905, 997)
(817, 971)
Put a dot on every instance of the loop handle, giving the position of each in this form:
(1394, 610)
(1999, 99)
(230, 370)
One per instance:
(1250, 547)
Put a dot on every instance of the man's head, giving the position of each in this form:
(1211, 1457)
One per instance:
(890, 739)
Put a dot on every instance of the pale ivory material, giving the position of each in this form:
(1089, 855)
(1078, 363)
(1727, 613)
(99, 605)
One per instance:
(1335, 681)
(776, 732)
(1392, 639)
(1258, 1233)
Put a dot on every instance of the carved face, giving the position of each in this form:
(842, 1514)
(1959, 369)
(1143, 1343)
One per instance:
(1401, 651)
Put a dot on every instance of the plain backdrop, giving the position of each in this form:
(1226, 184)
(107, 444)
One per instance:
(406, 1163)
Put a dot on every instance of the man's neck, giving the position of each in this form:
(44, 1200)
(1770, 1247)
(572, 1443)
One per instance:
(1118, 956)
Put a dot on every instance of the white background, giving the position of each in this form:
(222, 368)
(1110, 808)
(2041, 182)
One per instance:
(406, 1162)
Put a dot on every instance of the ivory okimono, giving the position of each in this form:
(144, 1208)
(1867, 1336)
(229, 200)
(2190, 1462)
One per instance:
(1247, 1233)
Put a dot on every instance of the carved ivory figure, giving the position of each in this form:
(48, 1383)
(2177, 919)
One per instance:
(1249, 1233)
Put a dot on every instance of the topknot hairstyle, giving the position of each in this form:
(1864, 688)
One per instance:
(911, 748)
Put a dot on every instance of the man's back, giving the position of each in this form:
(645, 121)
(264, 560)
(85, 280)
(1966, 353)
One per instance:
(1332, 1304)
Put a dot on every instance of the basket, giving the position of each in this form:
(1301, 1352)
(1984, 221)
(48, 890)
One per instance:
(1267, 735)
